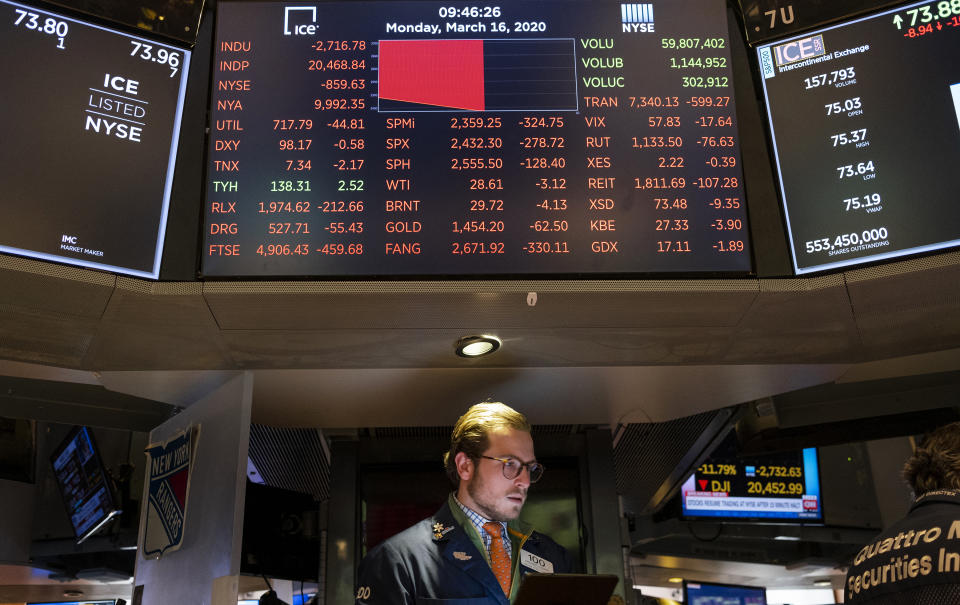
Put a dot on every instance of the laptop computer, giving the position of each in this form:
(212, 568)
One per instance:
(566, 589)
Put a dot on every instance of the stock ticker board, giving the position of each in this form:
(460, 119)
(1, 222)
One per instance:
(865, 117)
(419, 138)
(782, 486)
(90, 128)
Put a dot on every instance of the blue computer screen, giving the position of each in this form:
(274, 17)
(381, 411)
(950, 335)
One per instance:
(83, 483)
(700, 593)
(109, 602)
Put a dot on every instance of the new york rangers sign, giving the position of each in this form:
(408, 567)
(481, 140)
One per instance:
(168, 471)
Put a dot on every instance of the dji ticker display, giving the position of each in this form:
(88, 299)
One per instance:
(865, 118)
(782, 486)
(90, 126)
(421, 138)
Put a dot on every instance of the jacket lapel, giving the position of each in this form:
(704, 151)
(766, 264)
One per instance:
(459, 551)
(520, 536)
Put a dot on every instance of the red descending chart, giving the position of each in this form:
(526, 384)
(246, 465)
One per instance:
(443, 73)
(477, 75)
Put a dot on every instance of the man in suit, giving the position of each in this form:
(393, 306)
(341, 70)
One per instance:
(917, 560)
(474, 550)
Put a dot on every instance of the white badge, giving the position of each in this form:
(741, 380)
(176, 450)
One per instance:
(532, 561)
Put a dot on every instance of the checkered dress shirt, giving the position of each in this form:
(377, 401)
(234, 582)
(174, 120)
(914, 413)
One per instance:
(478, 522)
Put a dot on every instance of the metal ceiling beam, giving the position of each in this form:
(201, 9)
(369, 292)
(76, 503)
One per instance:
(84, 404)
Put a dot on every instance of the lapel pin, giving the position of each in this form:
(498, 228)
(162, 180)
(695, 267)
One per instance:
(462, 556)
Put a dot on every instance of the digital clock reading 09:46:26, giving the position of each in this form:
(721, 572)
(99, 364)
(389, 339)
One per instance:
(469, 12)
(424, 138)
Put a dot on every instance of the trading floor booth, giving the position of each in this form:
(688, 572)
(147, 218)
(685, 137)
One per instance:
(260, 255)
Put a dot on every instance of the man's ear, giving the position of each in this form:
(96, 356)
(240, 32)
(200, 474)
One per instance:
(465, 467)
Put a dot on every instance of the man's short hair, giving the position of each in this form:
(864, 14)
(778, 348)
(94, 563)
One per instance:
(471, 433)
(935, 464)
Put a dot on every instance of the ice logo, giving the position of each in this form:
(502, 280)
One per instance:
(292, 14)
(799, 50)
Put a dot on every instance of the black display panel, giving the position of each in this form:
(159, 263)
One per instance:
(177, 20)
(783, 486)
(865, 118)
(90, 125)
(83, 483)
(421, 138)
(765, 20)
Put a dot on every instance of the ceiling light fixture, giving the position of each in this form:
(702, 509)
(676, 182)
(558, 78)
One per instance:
(675, 580)
(476, 346)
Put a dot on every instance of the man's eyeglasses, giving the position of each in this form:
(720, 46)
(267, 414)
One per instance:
(512, 468)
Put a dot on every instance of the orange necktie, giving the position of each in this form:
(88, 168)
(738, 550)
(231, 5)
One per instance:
(499, 560)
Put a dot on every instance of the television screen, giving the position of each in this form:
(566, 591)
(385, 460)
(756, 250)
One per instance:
(865, 120)
(84, 483)
(703, 593)
(108, 602)
(373, 138)
(298, 599)
(781, 486)
(89, 128)
(281, 538)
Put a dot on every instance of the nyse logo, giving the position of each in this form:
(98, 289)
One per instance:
(799, 50)
(636, 18)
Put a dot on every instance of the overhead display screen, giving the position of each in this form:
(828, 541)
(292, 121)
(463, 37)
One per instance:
(702, 593)
(865, 118)
(780, 486)
(424, 138)
(83, 483)
(89, 129)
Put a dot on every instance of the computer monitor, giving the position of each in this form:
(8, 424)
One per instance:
(864, 121)
(566, 589)
(709, 593)
(84, 483)
(90, 126)
(782, 486)
(527, 138)
(103, 602)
